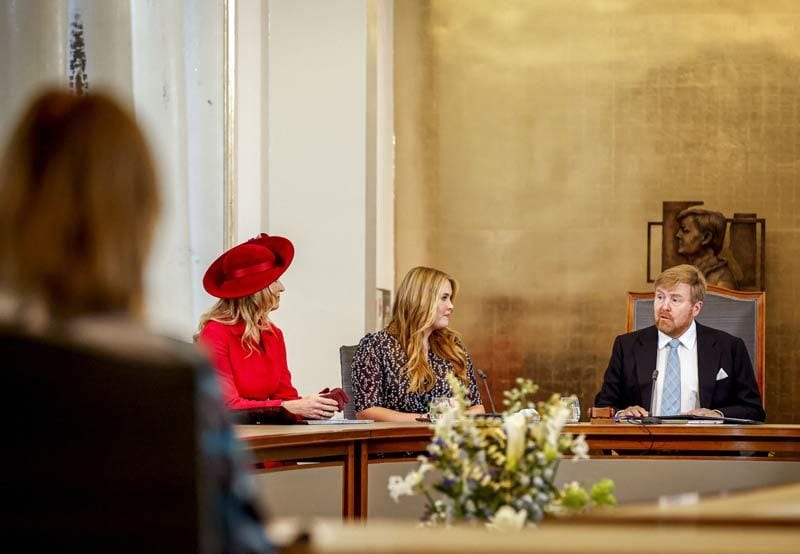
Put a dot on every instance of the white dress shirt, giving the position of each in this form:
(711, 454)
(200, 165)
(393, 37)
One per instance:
(687, 353)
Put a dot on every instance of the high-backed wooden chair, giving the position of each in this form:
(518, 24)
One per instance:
(740, 313)
(99, 450)
(346, 354)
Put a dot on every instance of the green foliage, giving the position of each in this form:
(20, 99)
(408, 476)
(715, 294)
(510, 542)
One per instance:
(574, 497)
(602, 493)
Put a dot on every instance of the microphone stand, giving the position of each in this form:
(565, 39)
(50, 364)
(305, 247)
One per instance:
(484, 378)
(651, 419)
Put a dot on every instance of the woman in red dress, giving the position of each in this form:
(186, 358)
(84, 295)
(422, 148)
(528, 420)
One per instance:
(248, 350)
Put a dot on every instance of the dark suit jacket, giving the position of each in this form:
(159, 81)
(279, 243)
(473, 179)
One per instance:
(628, 379)
(116, 440)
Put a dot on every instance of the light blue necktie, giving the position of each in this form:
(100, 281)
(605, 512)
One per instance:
(671, 401)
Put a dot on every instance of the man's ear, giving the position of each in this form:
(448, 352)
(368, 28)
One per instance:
(696, 308)
(707, 236)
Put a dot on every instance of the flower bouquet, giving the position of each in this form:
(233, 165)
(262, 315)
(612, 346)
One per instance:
(500, 471)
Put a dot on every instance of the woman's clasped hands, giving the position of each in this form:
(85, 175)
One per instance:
(318, 406)
(312, 406)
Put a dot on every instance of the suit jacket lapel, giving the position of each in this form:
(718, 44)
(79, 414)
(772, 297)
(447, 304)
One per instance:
(707, 364)
(646, 357)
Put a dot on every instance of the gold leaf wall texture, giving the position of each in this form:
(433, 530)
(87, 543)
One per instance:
(536, 138)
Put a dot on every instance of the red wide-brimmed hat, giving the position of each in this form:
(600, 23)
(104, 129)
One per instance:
(249, 267)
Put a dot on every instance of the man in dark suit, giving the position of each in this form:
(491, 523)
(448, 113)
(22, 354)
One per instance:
(701, 371)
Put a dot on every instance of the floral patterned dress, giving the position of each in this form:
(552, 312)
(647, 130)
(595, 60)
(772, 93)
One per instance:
(379, 379)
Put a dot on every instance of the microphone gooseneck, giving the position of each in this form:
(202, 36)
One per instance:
(652, 419)
(482, 375)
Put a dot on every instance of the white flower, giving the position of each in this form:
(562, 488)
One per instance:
(555, 424)
(482, 464)
(404, 486)
(470, 507)
(531, 414)
(508, 519)
(580, 449)
(398, 486)
(448, 415)
(515, 427)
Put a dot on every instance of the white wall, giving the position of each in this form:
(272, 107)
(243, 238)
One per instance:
(251, 128)
(163, 60)
(33, 50)
(315, 164)
(384, 205)
(316, 173)
(314, 144)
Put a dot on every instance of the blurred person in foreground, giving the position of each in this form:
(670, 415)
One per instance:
(400, 371)
(79, 203)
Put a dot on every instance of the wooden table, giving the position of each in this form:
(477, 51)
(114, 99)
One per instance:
(354, 447)
(761, 521)
(759, 439)
(767, 507)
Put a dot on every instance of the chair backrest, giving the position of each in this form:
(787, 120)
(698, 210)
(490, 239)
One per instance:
(740, 313)
(99, 451)
(346, 354)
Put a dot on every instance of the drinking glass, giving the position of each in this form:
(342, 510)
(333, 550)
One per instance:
(573, 404)
(437, 406)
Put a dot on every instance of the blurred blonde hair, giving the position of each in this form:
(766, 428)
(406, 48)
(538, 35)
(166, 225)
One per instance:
(687, 274)
(252, 310)
(79, 201)
(414, 311)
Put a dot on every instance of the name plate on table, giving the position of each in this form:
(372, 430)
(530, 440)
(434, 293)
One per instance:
(599, 415)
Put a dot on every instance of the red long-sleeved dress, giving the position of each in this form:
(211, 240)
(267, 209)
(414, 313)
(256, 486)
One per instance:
(249, 379)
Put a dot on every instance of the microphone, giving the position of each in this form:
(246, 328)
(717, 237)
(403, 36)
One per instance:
(482, 375)
(651, 419)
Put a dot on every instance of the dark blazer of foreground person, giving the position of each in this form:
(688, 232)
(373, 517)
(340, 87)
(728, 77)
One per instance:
(116, 440)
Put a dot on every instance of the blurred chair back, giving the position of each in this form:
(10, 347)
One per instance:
(99, 451)
(346, 354)
(740, 313)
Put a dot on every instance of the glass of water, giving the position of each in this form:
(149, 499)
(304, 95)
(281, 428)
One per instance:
(437, 406)
(574, 405)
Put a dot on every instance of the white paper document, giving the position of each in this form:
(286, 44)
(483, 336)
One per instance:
(337, 421)
(719, 421)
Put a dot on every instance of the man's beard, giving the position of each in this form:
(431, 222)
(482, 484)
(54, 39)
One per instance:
(665, 325)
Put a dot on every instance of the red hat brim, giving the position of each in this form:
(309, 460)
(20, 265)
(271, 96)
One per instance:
(217, 283)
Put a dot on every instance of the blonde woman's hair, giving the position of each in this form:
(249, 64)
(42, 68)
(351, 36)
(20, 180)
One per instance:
(687, 274)
(79, 202)
(252, 310)
(414, 311)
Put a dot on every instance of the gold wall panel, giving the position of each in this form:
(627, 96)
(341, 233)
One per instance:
(535, 139)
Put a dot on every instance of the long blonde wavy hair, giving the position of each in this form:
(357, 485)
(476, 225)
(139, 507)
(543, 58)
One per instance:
(252, 310)
(414, 311)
